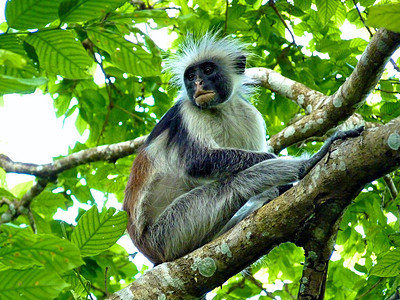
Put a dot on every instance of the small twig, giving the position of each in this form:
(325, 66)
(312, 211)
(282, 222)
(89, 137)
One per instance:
(109, 93)
(50, 171)
(362, 19)
(286, 286)
(371, 288)
(259, 285)
(83, 284)
(127, 111)
(387, 92)
(35, 190)
(271, 3)
(226, 17)
(391, 186)
(105, 281)
(398, 210)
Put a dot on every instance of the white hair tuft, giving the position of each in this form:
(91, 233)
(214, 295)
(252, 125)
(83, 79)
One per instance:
(226, 51)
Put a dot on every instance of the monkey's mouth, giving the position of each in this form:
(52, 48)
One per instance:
(203, 97)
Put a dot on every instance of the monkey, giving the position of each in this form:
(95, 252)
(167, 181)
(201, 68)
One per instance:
(205, 166)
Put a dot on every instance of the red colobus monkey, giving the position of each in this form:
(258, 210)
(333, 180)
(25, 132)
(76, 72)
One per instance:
(204, 167)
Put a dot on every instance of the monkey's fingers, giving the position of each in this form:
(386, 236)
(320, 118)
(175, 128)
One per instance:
(342, 135)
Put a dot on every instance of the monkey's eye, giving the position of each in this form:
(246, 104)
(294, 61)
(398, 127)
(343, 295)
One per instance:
(190, 76)
(208, 70)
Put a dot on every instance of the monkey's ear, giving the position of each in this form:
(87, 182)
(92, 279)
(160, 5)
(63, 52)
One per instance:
(240, 64)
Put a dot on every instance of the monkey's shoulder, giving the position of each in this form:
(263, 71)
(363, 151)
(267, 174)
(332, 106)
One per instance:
(170, 123)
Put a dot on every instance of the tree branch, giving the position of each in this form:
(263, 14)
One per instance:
(16, 208)
(336, 179)
(320, 233)
(327, 112)
(101, 153)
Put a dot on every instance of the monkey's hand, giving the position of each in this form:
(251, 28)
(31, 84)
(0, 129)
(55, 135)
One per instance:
(339, 135)
(342, 135)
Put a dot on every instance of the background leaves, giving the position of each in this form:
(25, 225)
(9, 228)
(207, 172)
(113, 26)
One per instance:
(97, 232)
(59, 53)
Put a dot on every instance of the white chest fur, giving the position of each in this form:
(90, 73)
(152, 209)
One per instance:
(236, 124)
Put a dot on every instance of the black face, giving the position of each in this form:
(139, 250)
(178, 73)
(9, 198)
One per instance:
(207, 84)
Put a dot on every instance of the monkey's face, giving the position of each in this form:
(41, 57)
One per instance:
(207, 84)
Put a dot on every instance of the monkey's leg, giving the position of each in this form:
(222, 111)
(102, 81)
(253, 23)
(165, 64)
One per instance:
(194, 218)
(249, 207)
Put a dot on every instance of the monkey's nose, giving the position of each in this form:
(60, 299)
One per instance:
(199, 82)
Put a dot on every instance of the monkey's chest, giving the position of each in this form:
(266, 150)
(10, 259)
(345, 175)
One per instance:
(241, 133)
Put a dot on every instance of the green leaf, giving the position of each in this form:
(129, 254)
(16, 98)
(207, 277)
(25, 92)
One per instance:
(97, 232)
(30, 284)
(10, 84)
(84, 10)
(127, 56)
(59, 53)
(184, 6)
(387, 16)
(388, 265)
(21, 188)
(303, 4)
(390, 108)
(326, 9)
(29, 14)
(18, 72)
(47, 203)
(80, 124)
(340, 15)
(140, 16)
(6, 194)
(3, 180)
(61, 104)
(360, 268)
(79, 284)
(49, 251)
(395, 239)
(12, 59)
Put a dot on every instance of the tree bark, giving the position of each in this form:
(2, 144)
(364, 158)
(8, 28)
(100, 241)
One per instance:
(326, 112)
(336, 180)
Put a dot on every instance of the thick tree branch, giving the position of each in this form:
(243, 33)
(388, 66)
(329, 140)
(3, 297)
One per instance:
(327, 112)
(298, 92)
(336, 179)
(318, 238)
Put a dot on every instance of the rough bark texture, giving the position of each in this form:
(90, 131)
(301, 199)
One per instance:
(326, 112)
(336, 180)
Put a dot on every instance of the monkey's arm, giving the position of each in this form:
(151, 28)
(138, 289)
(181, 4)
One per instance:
(222, 162)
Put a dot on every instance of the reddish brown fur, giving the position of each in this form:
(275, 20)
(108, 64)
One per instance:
(139, 175)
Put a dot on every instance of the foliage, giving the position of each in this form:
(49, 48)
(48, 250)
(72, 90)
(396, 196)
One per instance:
(58, 46)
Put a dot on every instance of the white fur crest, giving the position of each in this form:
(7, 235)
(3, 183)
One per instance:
(226, 51)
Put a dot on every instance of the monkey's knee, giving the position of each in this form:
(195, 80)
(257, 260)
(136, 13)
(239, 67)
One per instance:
(284, 188)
